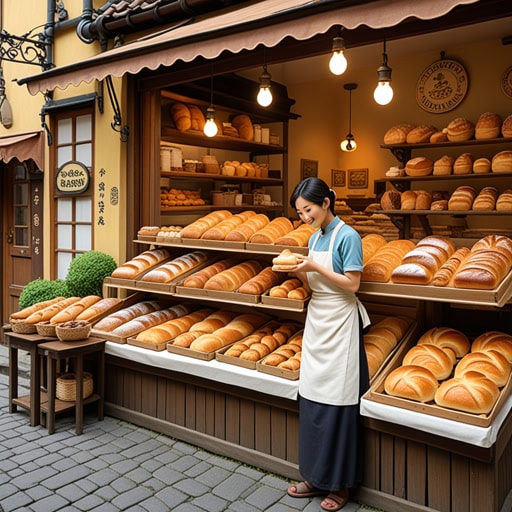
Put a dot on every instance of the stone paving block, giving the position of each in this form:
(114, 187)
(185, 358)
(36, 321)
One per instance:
(103, 477)
(233, 487)
(151, 465)
(49, 459)
(250, 472)
(123, 466)
(191, 487)
(62, 478)
(52, 502)
(71, 492)
(127, 499)
(184, 463)
(64, 464)
(221, 462)
(168, 475)
(275, 481)
(153, 504)
(197, 469)
(167, 457)
(154, 485)
(171, 497)
(241, 506)
(87, 486)
(138, 475)
(213, 476)
(33, 478)
(97, 464)
(18, 500)
(210, 503)
(122, 484)
(264, 497)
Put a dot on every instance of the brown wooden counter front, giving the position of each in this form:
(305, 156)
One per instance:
(404, 470)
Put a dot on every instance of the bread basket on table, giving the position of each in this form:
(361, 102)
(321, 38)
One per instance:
(20, 326)
(73, 330)
(65, 389)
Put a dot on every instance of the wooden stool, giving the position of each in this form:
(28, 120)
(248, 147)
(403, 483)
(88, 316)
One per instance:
(31, 402)
(76, 350)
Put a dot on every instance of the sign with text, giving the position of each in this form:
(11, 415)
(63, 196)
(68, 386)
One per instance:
(72, 178)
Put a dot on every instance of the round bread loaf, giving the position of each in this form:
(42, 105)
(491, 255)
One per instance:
(473, 393)
(481, 166)
(502, 161)
(488, 126)
(439, 136)
(391, 200)
(419, 166)
(421, 134)
(462, 198)
(398, 134)
(463, 164)
(412, 382)
(506, 127)
(443, 166)
(494, 340)
(408, 200)
(432, 357)
(492, 364)
(460, 129)
(446, 338)
(504, 201)
(423, 200)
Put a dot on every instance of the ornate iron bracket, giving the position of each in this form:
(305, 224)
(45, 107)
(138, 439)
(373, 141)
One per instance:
(30, 48)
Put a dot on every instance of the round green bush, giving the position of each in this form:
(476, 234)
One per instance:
(42, 289)
(87, 271)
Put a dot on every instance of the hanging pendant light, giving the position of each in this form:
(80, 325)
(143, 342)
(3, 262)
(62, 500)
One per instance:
(349, 144)
(264, 97)
(210, 127)
(5, 106)
(383, 93)
(338, 61)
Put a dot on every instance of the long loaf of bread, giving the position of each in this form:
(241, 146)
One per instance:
(299, 237)
(110, 322)
(243, 232)
(385, 260)
(140, 263)
(99, 308)
(49, 312)
(274, 230)
(198, 279)
(220, 230)
(73, 310)
(38, 306)
(261, 282)
(232, 278)
(171, 270)
(197, 228)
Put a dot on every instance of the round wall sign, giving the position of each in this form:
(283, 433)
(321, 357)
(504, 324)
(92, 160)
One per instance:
(442, 86)
(506, 82)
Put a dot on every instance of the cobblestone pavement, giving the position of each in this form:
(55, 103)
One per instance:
(115, 465)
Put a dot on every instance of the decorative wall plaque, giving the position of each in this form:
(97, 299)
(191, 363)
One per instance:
(506, 82)
(442, 86)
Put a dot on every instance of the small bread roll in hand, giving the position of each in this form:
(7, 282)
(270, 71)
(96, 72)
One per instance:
(285, 262)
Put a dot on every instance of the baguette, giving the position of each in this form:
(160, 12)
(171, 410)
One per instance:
(213, 321)
(72, 311)
(26, 312)
(447, 270)
(99, 308)
(173, 269)
(232, 278)
(261, 282)
(49, 312)
(140, 263)
(110, 322)
(198, 279)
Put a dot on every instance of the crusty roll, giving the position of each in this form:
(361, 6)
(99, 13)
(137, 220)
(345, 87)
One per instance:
(460, 129)
(197, 120)
(198, 279)
(244, 126)
(492, 364)
(432, 357)
(181, 116)
(420, 134)
(473, 393)
(47, 313)
(232, 278)
(419, 166)
(481, 166)
(445, 273)
(446, 338)
(261, 282)
(110, 322)
(397, 325)
(38, 306)
(498, 243)
(398, 134)
(488, 126)
(285, 261)
(171, 270)
(502, 161)
(101, 307)
(385, 260)
(443, 166)
(504, 201)
(282, 290)
(439, 204)
(371, 243)
(463, 164)
(73, 310)
(243, 232)
(462, 198)
(272, 231)
(411, 382)
(391, 200)
(196, 229)
(141, 263)
(298, 237)
(494, 340)
(439, 136)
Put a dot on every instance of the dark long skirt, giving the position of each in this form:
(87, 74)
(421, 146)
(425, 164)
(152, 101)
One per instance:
(330, 445)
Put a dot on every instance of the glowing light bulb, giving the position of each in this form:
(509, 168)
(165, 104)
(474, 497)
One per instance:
(264, 97)
(338, 63)
(210, 127)
(383, 93)
(348, 145)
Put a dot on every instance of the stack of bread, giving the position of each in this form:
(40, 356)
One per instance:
(187, 117)
(166, 233)
(263, 341)
(381, 339)
(179, 197)
(290, 289)
(171, 270)
(141, 263)
(421, 263)
(287, 356)
(249, 169)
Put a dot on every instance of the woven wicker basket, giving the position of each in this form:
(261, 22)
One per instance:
(66, 386)
(21, 327)
(72, 333)
(46, 329)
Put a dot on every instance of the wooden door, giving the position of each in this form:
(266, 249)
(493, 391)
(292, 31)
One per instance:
(22, 222)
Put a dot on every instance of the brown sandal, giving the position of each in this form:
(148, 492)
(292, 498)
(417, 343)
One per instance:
(339, 501)
(304, 490)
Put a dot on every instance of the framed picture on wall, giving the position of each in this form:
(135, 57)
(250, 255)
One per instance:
(308, 168)
(358, 178)
(338, 178)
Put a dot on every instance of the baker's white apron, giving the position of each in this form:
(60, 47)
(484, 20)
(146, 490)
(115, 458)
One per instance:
(330, 352)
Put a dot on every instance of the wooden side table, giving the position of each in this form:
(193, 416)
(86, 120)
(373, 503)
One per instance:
(32, 401)
(58, 350)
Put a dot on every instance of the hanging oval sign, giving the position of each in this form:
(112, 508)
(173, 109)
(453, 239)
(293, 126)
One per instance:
(442, 86)
(72, 178)
(506, 82)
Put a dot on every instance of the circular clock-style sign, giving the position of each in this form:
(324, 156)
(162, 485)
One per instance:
(442, 86)
(506, 82)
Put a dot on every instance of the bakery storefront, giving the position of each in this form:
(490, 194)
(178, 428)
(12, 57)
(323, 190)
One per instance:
(415, 159)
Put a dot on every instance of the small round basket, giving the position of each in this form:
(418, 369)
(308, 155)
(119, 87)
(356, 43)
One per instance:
(73, 330)
(22, 327)
(46, 329)
(66, 386)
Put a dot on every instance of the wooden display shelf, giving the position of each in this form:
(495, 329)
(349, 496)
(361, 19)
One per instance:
(221, 177)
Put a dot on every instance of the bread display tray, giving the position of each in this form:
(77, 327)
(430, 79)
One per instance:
(275, 249)
(188, 352)
(150, 346)
(146, 238)
(277, 372)
(283, 303)
(497, 297)
(117, 281)
(213, 244)
(217, 295)
(376, 393)
(167, 240)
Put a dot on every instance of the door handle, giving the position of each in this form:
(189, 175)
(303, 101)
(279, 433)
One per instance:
(10, 237)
